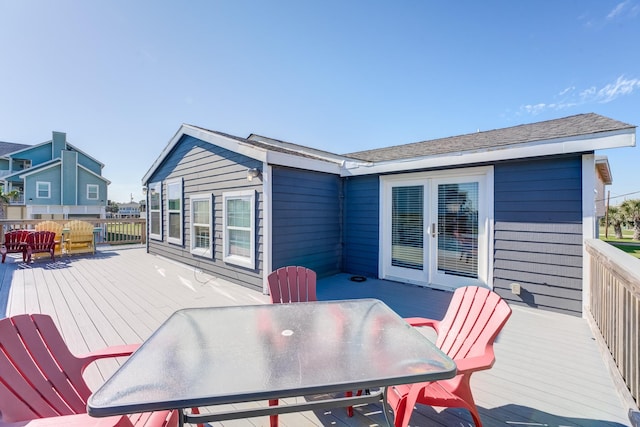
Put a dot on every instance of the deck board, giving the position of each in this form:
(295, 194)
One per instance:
(548, 367)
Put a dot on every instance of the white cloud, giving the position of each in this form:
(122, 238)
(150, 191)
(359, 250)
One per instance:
(617, 10)
(621, 87)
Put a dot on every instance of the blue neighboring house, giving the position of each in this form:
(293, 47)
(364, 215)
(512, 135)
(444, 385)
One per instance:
(55, 179)
(495, 208)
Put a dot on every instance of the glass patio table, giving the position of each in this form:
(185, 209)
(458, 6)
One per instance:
(201, 357)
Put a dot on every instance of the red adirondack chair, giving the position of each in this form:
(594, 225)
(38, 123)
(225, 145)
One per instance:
(41, 378)
(292, 284)
(466, 334)
(15, 242)
(41, 241)
(286, 285)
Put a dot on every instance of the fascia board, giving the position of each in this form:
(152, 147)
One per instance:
(31, 147)
(39, 168)
(616, 139)
(94, 174)
(299, 162)
(85, 154)
(212, 138)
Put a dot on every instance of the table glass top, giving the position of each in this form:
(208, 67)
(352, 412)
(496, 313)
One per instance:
(207, 356)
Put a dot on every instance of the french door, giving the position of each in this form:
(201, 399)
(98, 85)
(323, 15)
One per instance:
(434, 228)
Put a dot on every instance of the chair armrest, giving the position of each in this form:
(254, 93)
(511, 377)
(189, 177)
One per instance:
(423, 321)
(113, 351)
(472, 364)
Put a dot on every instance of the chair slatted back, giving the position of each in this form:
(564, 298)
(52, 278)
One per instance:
(292, 284)
(41, 240)
(56, 228)
(39, 376)
(13, 240)
(474, 318)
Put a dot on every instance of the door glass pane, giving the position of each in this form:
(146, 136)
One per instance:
(407, 227)
(458, 229)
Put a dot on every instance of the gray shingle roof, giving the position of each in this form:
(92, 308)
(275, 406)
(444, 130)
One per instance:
(579, 125)
(10, 147)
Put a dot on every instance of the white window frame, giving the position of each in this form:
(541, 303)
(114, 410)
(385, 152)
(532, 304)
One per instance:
(155, 188)
(249, 261)
(47, 186)
(96, 189)
(198, 250)
(174, 183)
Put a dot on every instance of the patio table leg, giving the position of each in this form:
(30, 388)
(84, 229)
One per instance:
(273, 419)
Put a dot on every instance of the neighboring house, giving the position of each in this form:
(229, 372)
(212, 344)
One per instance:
(55, 179)
(128, 210)
(490, 208)
(603, 178)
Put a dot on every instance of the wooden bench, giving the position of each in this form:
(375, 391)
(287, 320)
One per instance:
(15, 242)
(79, 237)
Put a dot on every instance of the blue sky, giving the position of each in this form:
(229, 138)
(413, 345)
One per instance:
(120, 77)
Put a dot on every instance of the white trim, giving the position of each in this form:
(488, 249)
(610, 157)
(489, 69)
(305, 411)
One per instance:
(267, 225)
(97, 192)
(589, 225)
(157, 186)
(485, 175)
(622, 138)
(93, 173)
(48, 185)
(37, 169)
(204, 252)
(244, 148)
(249, 261)
(168, 211)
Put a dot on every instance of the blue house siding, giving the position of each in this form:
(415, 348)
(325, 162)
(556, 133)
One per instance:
(538, 232)
(85, 178)
(208, 169)
(38, 154)
(90, 164)
(361, 225)
(306, 220)
(51, 175)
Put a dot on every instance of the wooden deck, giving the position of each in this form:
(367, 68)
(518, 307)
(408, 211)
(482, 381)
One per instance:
(548, 372)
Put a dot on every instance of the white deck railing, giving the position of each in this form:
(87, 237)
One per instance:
(614, 307)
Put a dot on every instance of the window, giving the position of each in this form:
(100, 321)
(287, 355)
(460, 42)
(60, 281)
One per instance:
(238, 218)
(92, 192)
(174, 211)
(155, 215)
(43, 190)
(201, 223)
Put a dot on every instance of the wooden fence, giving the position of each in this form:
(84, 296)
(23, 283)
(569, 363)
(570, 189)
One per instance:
(614, 306)
(108, 231)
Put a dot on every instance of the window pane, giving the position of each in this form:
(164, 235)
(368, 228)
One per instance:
(174, 225)
(154, 202)
(174, 196)
(155, 222)
(407, 227)
(458, 229)
(201, 212)
(239, 242)
(238, 213)
(201, 237)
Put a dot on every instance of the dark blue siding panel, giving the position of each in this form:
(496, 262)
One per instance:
(361, 229)
(538, 232)
(306, 226)
(209, 169)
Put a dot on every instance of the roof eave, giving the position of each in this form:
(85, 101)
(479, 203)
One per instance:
(583, 143)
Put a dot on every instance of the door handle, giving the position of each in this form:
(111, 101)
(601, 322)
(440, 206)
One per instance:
(433, 230)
